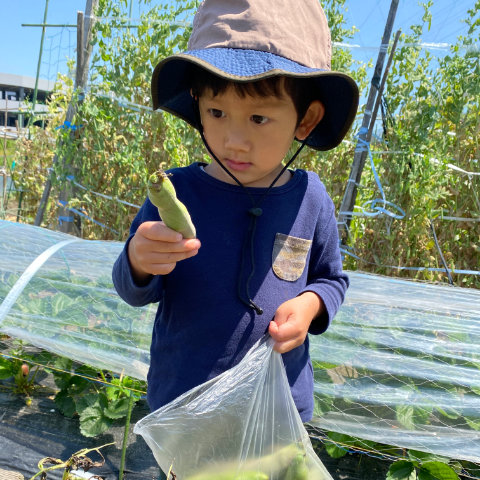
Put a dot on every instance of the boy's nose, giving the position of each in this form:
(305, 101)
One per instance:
(236, 139)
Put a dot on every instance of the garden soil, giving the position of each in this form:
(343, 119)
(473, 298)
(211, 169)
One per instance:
(30, 433)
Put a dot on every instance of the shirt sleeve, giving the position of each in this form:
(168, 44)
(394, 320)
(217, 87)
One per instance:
(122, 275)
(326, 276)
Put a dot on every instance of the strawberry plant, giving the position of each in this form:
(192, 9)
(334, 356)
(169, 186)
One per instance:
(415, 470)
(97, 398)
(16, 365)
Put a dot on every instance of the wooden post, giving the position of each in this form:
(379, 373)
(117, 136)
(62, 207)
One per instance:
(360, 155)
(84, 50)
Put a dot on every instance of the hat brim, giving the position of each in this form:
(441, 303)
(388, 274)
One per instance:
(338, 92)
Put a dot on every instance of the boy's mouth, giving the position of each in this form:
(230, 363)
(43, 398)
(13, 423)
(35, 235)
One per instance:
(237, 166)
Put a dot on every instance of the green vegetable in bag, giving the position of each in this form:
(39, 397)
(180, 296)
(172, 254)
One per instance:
(288, 463)
(297, 470)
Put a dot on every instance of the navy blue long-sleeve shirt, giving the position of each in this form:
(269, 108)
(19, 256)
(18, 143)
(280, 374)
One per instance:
(202, 326)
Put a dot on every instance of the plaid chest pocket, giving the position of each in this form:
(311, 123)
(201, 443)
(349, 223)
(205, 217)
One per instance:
(289, 256)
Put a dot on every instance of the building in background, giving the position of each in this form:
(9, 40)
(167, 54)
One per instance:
(14, 91)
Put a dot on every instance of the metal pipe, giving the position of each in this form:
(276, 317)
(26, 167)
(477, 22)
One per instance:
(34, 101)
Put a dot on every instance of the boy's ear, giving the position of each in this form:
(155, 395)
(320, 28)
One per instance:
(310, 120)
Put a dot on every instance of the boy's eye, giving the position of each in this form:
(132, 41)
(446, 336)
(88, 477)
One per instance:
(259, 119)
(214, 112)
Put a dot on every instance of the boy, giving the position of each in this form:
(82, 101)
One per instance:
(256, 76)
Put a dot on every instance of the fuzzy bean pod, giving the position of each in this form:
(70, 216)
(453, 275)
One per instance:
(172, 211)
(297, 470)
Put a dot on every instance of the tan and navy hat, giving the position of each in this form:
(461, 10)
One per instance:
(248, 40)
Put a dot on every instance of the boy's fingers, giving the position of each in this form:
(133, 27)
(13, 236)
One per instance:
(282, 316)
(164, 263)
(165, 233)
(162, 268)
(171, 257)
(183, 246)
(157, 237)
(159, 231)
(283, 347)
(191, 244)
(273, 329)
(281, 331)
(285, 336)
(284, 328)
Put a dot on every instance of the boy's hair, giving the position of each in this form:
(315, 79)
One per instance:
(302, 91)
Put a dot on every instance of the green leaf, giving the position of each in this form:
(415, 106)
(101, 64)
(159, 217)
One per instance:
(98, 400)
(65, 403)
(409, 416)
(87, 370)
(7, 368)
(322, 405)
(317, 365)
(72, 384)
(473, 423)
(436, 471)
(117, 408)
(452, 414)
(423, 457)
(472, 469)
(401, 470)
(62, 303)
(337, 451)
(93, 422)
(334, 451)
(5, 372)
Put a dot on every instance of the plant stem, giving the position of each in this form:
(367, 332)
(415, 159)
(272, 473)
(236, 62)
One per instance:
(32, 380)
(125, 435)
(67, 464)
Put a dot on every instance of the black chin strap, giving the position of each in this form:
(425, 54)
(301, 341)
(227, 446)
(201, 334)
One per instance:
(255, 211)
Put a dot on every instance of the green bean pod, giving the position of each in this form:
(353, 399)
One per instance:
(172, 211)
(297, 470)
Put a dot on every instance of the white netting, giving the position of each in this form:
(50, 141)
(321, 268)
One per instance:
(400, 365)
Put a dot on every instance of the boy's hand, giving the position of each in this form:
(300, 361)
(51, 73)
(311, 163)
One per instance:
(292, 320)
(155, 249)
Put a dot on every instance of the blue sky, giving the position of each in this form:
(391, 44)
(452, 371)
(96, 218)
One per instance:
(19, 52)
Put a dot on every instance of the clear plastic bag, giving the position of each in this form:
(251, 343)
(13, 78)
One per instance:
(241, 425)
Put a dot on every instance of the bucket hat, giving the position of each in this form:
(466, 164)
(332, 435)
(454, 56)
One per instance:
(248, 40)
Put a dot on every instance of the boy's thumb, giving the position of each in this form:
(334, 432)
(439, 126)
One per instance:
(273, 329)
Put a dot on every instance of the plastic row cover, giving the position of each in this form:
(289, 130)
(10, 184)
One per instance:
(400, 364)
(58, 294)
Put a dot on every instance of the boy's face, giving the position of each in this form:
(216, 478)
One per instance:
(249, 135)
